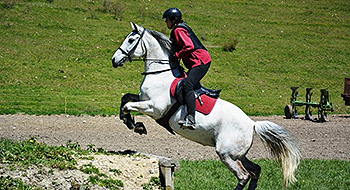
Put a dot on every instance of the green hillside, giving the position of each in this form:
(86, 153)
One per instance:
(55, 55)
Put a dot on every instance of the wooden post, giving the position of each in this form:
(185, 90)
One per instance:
(346, 95)
(167, 167)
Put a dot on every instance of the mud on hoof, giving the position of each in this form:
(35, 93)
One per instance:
(140, 128)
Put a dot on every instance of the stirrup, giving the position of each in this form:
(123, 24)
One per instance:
(188, 123)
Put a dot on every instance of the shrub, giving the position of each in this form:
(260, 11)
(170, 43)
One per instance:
(231, 45)
(9, 4)
(113, 8)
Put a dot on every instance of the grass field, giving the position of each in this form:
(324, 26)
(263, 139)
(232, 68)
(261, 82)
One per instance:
(55, 58)
(312, 175)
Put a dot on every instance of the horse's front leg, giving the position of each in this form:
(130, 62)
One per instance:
(128, 120)
(127, 105)
(142, 107)
(145, 107)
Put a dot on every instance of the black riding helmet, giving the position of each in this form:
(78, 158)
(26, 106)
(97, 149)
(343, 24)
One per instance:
(173, 14)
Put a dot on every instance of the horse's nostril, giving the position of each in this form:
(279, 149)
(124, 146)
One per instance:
(113, 60)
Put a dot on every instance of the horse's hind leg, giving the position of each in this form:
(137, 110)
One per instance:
(237, 168)
(232, 144)
(254, 171)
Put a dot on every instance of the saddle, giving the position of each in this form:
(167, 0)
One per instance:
(203, 95)
(205, 101)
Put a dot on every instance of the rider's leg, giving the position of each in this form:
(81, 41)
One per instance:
(193, 78)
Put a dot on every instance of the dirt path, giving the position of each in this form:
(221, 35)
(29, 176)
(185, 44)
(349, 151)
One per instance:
(328, 140)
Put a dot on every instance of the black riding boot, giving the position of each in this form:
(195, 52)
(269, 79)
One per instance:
(193, 78)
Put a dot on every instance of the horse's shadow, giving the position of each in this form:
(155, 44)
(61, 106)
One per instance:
(122, 152)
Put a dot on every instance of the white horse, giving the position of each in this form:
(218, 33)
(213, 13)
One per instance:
(227, 127)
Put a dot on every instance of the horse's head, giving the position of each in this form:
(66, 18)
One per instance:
(131, 47)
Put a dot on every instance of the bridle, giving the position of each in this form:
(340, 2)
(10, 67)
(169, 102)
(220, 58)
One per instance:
(133, 48)
(128, 54)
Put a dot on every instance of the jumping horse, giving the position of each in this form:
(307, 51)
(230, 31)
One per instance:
(226, 127)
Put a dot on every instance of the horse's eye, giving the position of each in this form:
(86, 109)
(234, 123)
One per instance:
(131, 40)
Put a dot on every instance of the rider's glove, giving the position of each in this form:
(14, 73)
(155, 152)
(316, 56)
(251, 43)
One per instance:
(173, 58)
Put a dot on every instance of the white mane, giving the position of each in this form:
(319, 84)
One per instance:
(163, 40)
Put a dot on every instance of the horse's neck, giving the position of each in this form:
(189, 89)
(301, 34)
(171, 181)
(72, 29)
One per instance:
(162, 64)
(157, 58)
(159, 61)
(157, 86)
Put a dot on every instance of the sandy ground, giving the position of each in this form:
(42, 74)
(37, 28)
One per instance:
(329, 140)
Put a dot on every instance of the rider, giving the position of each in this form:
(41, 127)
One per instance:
(195, 57)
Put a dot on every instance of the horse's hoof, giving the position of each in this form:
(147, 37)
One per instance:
(129, 123)
(128, 120)
(140, 128)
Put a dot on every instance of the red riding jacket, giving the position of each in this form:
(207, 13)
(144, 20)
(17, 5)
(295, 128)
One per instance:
(190, 55)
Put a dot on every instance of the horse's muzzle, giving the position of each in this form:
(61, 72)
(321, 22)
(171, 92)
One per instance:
(115, 65)
(119, 63)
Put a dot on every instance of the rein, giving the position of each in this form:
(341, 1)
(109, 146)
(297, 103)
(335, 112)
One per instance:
(155, 60)
(157, 72)
(149, 59)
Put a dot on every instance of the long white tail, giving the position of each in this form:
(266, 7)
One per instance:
(282, 146)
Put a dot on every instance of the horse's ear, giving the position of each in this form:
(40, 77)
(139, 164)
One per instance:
(135, 27)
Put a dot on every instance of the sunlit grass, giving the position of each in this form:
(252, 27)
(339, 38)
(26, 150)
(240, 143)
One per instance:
(56, 57)
(312, 174)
